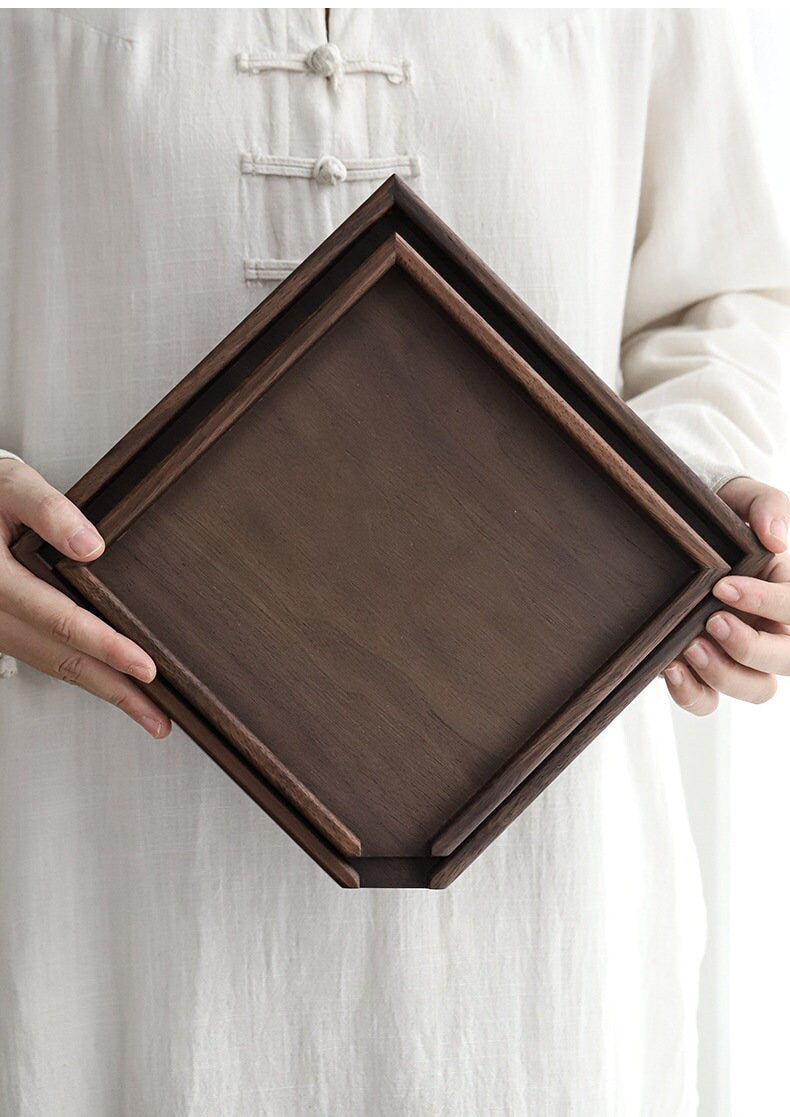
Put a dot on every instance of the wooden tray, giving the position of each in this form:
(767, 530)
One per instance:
(398, 553)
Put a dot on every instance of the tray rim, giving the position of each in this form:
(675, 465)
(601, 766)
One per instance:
(394, 253)
(466, 835)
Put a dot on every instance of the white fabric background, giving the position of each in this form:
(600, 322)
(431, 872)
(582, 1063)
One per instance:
(736, 767)
(163, 946)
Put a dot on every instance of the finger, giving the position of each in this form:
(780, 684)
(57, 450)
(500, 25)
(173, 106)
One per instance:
(35, 601)
(27, 497)
(688, 691)
(755, 595)
(723, 674)
(768, 513)
(46, 654)
(762, 651)
(778, 569)
(769, 626)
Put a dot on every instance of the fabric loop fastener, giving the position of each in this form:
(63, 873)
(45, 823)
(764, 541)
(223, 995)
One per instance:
(326, 61)
(329, 169)
(261, 269)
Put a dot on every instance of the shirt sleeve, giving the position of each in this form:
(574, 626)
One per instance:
(706, 324)
(8, 454)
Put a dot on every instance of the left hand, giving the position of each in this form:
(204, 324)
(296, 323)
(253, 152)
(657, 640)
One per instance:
(747, 645)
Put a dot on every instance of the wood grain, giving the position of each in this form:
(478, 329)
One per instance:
(85, 579)
(564, 369)
(376, 573)
(398, 553)
(214, 424)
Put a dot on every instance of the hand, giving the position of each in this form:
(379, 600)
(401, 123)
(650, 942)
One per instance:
(45, 628)
(747, 645)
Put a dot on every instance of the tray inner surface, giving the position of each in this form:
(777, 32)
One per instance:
(383, 568)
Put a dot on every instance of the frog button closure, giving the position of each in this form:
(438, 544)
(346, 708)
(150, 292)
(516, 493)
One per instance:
(325, 60)
(329, 170)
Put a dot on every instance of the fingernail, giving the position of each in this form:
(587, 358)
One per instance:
(779, 530)
(152, 725)
(85, 542)
(698, 654)
(141, 671)
(675, 674)
(718, 627)
(726, 591)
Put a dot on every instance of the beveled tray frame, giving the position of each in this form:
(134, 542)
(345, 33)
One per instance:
(394, 227)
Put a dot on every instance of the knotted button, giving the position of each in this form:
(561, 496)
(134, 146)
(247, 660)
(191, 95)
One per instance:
(329, 170)
(325, 60)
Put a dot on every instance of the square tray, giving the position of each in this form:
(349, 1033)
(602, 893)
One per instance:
(398, 553)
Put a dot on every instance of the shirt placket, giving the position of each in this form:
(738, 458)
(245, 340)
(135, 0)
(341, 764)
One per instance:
(329, 140)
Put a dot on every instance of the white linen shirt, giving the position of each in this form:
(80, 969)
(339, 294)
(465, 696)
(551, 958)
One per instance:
(164, 947)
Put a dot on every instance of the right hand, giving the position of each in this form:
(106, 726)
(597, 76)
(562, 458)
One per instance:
(45, 628)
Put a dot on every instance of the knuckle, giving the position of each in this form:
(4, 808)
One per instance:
(742, 642)
(50, 505)
(10, 470)
(759, 598)
(64, 625)
(757, 644)
(121, 699)
(750, 596)
(70, 669)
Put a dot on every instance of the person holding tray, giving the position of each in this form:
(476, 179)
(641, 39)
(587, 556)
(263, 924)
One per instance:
(165, 947)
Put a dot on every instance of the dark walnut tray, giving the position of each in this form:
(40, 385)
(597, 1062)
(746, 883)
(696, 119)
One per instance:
(398, 553)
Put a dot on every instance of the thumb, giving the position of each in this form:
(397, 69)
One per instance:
(27, 497)
(766, 509)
